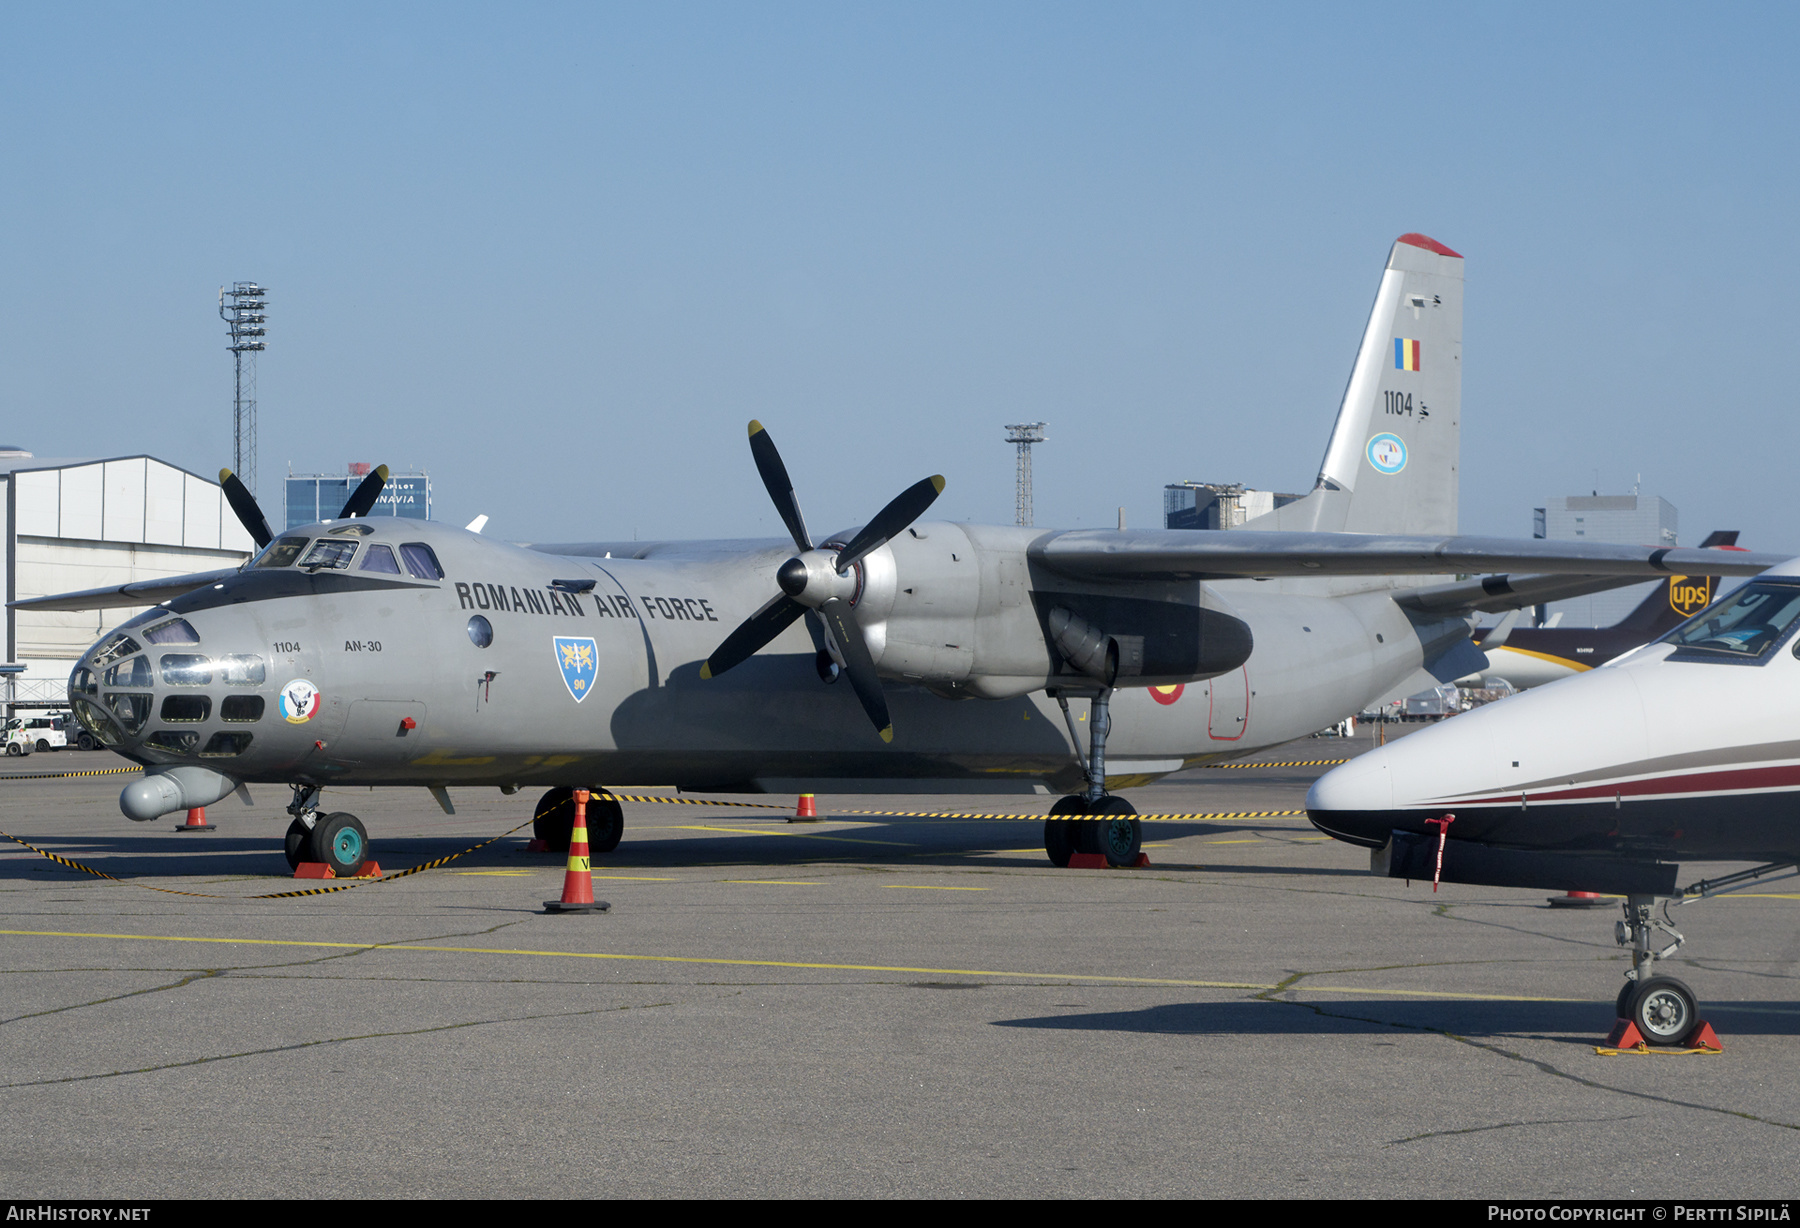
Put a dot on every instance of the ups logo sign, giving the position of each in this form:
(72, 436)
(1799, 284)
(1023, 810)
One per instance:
(1688, 595)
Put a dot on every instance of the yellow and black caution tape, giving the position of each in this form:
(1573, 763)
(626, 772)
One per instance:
(1148, 818)
(279, 895)
(691, 801)
(1295, 763)
(67, 775)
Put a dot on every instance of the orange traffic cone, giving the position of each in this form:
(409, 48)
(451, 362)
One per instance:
(578, 880)
(805, 811)
(196, 821)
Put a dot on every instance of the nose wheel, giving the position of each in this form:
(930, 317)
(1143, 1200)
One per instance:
(338, 840)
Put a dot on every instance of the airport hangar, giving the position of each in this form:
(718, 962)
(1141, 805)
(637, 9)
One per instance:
(70, 524)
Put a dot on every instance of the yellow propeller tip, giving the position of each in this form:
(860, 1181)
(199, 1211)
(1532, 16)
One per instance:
(887, 734)
(224, 476)
(755, 427)
(382, 471)
(937, 480)
(705, 671)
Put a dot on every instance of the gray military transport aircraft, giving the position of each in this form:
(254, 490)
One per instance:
(902, 655)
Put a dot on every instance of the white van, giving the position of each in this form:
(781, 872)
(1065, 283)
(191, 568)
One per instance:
(18, 738)
(48, 732)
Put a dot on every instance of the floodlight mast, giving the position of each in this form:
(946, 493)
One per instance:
(246, 322)
(1024, 434)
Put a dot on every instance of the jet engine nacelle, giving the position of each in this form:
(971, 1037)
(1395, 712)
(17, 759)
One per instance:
(960, 609)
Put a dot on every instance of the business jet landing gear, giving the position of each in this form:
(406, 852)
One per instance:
(1117, 839)
(554, 820)
(338, 840)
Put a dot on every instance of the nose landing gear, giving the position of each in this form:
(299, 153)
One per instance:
(338, 840)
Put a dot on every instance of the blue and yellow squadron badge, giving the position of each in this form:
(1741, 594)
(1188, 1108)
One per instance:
(575, 658)
(1688, 595)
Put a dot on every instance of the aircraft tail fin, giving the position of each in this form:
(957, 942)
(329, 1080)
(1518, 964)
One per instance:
(1391, 465)
(1678, 598)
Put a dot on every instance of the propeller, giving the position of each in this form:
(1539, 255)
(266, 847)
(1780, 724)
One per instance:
(819, 580)
(244, 504)
(362, 499)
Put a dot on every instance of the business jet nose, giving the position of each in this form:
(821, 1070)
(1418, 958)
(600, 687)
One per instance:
(1355, 801)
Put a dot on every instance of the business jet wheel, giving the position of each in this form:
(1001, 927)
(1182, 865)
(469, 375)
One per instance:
(1062, 837)
(341, 842)
(1622, 1005)
(554, 820)
(1664, 1010)
(1116, 839)
(299, 844)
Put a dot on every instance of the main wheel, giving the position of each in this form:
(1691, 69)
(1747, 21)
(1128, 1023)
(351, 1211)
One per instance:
(605, 822)
(342, 843)
(554, 820)
(1118, 839)
(299, 844)
(1063, 836)
(1664, 1010)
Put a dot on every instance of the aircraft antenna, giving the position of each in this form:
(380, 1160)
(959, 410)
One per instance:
(246, 322)
(1024, 434)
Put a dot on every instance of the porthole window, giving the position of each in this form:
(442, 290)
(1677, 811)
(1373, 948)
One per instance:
(481, 631)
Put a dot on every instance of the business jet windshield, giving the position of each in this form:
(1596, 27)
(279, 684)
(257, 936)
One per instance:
(1746, 627)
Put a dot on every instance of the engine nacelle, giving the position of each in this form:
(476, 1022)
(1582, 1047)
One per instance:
(961, 610)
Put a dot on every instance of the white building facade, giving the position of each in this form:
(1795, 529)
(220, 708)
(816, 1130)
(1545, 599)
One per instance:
(1631, 520)
(70, 524)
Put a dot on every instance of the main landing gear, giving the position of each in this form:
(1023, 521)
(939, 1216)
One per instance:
(1118, 839)
(339, 840)
(554, 820)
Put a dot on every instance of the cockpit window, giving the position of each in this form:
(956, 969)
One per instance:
(187, 670)
(379, 558)
(178, 631)
(281, 552)
(135, 672)
(1746, 626)
(118, 646)
(332, 553)
(420, 561)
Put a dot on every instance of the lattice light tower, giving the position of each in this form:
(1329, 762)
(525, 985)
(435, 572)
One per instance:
(245, 322)
(1024, 434)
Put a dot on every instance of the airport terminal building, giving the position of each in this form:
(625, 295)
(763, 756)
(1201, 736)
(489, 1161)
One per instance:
(69, 524)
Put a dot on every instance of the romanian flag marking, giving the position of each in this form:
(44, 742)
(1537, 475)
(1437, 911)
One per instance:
(1406, 354)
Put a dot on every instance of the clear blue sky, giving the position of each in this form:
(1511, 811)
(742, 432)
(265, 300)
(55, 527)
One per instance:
(558, 255)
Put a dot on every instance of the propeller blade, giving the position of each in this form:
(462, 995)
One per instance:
(363, 497)
(907, 507)
(779, 485)
(861, 666)
(753, 633)
(244, 504)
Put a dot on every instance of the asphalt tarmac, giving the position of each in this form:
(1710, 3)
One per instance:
(873, 1005)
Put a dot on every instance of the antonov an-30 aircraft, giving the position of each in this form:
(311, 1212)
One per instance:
(1686, 749)
(906, 654)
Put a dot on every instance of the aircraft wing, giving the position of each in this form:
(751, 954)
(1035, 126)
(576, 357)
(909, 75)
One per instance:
(1186, 554)
(139, 592)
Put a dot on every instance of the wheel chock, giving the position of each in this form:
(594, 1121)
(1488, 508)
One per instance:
(370, 869)
(1625, 1035)
(537, 846)
(805, 811)
(196, 821)
(1087, 861)
(314, 869)
(1578, 899)
(1142, 862)
(578, 879)
(1703, 1037)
